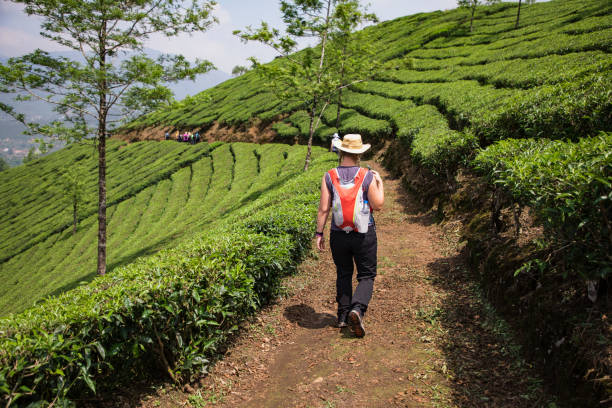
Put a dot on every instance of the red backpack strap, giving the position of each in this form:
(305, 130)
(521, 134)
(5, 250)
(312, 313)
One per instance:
(358, 180)
(333, 176)
(360, 176)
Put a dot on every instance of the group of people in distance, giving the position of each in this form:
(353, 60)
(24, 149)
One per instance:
(186, 137)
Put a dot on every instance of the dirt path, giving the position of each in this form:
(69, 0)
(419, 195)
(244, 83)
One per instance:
(430, 341)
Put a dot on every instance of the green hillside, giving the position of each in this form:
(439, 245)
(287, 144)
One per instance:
(159, 194)
(447, 95)
(507, 131)
(446, 89)
(528, 111)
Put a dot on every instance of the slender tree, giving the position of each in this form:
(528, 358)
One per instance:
(112, 79)
(304, 76)
(352, 54)
(72, 187)
(518, 15)
(32, 155)
(471, 5)
(518, 12)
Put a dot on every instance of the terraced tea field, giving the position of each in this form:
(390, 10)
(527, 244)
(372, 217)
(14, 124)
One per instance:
(456, 89)
(159, 194)
(525, 114)
(446, 95)
(526, 111)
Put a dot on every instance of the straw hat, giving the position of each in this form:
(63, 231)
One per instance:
(351, 144)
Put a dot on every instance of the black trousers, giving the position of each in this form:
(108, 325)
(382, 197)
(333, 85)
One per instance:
(360, 248)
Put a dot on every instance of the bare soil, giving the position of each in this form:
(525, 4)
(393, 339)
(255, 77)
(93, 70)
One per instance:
(150, 133)
(255, 132)
(430, 340)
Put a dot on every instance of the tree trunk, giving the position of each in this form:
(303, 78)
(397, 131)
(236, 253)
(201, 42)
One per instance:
(102, 90)
(340, 90)
(324, 41)
(472, 19)
(518, 15)
(102, 194)
(74, 217)
(311, 129)
(338, 112)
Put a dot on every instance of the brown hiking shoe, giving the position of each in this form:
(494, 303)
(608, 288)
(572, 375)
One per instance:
(355, 323)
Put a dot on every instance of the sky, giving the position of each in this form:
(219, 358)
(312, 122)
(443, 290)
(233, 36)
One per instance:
(19, 33)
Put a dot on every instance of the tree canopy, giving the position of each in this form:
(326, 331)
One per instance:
(112, 80)
(311, 76)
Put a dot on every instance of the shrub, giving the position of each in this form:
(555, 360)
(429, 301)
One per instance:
(285, 131)
(569, 186)
(567, 110)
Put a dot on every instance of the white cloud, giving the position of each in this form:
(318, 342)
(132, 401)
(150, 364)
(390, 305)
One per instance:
(10, 7)
(19, 33)
(222, 15)
(390, 9)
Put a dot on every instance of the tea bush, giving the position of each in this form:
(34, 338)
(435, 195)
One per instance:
(285, 131)
(34, 210)
(568, 110)
(569, 186)
(518, 73)
(352, 121)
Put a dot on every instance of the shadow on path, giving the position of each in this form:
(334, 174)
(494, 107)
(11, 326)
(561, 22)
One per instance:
(479, 350)
(306, 316)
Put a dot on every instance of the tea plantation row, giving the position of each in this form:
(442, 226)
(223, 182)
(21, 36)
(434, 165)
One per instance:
(159, 194)
(169, 312)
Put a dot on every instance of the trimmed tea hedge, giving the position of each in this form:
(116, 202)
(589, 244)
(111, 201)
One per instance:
(569, 186)
(166, 313)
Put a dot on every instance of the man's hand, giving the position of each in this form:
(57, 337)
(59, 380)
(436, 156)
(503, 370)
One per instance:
(321, 243)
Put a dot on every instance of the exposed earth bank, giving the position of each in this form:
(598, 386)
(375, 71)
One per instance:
(256, 132)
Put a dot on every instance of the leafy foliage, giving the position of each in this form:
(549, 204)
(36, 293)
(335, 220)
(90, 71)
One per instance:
(569, 185)
(313, 76)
